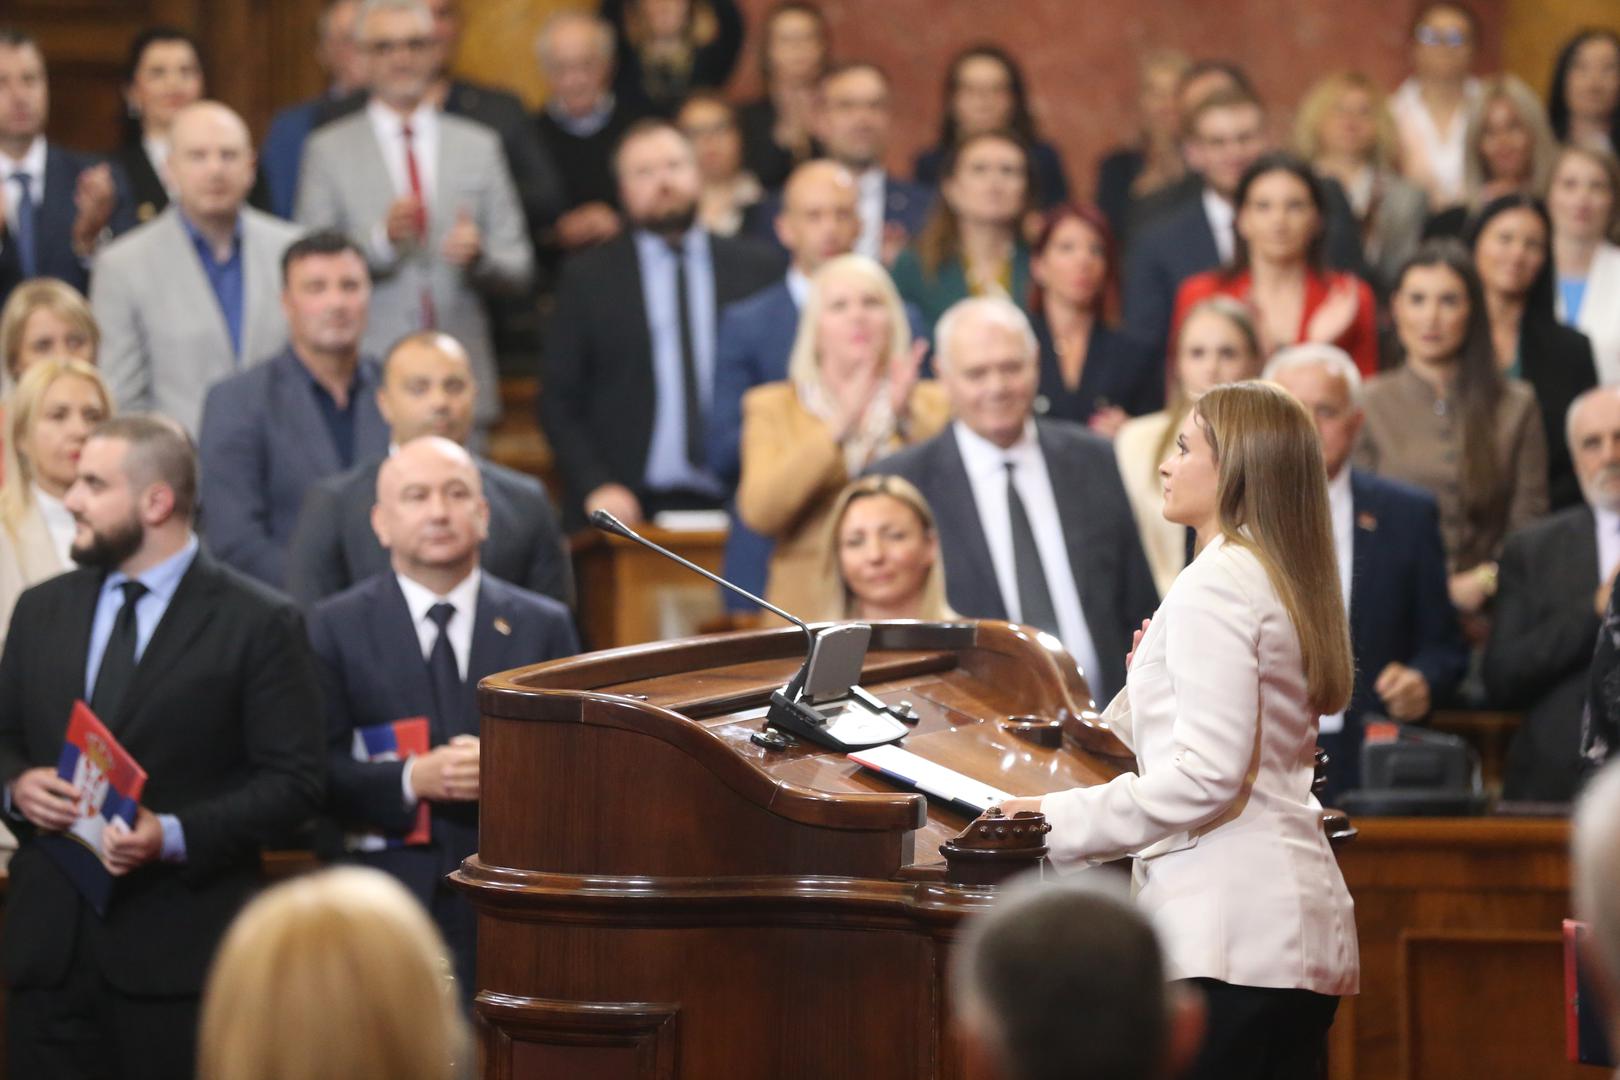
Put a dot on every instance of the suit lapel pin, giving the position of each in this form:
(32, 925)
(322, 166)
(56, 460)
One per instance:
(503, 627)
(1367, 521)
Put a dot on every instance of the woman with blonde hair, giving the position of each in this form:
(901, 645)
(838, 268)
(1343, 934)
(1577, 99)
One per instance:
(852, 396)
(1215, 343)
(1509, 150)
(1583, 200)
(1224, 691)
(1345, 130)
(45, 318)
(338, 975)
(882, 555)
(53, 410)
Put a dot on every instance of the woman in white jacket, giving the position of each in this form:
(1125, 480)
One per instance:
(1220, 707)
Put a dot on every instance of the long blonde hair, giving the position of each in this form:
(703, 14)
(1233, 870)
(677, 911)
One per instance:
(1234, 312)
(22, 408)
(338, 975)
(1525, 103)
(837, 601)
(804, 361)
(1271, 497)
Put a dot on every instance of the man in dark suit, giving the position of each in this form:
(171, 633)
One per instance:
(817, 221)
(427, 389)
(1556, 575)
(850, 124)
(581, 124)
(206, 678)
(435, 604)
(1404, 635)
(1226, 133)
(1032, 517)
(340, 57)
(271, 431)
(55, 204)
(628, 367)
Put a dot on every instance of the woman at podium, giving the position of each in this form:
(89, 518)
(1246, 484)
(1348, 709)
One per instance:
(1220, 707)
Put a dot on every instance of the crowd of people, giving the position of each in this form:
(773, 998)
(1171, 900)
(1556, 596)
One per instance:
(250, 394)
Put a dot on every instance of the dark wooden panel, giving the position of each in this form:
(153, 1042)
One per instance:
(527, 1036)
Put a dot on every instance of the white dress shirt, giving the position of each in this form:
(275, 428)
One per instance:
(869, 204)
(157, 152)
(1608, 541)
(798, 286)
(1342, 508)
(419, 600)
(33, 164)
(1223, 222)
(389, 127)
(58, 522)
(986, 465)
(1442, 156)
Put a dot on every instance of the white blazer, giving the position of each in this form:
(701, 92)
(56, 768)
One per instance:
(1600, 312)
(1232, 863)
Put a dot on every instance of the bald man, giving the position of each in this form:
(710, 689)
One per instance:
(413, 642)
(194, 295)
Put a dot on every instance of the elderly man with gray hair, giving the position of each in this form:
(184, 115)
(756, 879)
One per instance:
(1556, 575)
(1403, 630)
(1034, 525)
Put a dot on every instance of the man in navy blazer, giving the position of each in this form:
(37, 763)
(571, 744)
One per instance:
(414, 642)
(71, 197)
(1094, 587)
(1225, 135)
(850, 123)
(427, 389)
(270, 432)
(1408, 648)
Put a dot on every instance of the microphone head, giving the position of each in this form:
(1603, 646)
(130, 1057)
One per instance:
(608, 523)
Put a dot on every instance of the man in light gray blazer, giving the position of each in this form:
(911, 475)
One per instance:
(193, 295)
(427, 195)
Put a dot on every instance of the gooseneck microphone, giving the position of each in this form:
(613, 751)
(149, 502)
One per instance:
(857, 721)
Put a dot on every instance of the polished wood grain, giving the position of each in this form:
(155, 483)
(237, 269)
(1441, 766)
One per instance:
(1461, 962)
(630, 596)
(787, 911)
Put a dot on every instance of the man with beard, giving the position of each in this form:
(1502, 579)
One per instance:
(629, 359)
(1555, 578)
(207, 680)
(270, 432)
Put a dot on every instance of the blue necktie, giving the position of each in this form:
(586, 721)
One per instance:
(23, 227)
(444, 676)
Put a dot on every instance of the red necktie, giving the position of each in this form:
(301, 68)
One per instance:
(429, 320)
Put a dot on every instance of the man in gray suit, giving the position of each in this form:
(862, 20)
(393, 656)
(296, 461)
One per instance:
(1033, 521)
(427, 389)
(427, 195)
(270, 432)
(192, 296)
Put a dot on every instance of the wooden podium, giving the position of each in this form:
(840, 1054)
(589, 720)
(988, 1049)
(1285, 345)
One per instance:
(659, 897)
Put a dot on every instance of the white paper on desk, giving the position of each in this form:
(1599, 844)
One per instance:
(691, 520)
(930, 778)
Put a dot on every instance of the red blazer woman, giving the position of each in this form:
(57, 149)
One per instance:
(1360, 339)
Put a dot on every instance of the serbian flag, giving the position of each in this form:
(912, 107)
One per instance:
(110, 782)
(392, 742)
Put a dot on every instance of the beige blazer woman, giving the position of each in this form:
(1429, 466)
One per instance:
(1136, 448)
(1231, 859)
(793, 470)
(28, 556)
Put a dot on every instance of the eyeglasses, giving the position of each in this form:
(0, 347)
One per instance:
(1451, 39)
(386, 47)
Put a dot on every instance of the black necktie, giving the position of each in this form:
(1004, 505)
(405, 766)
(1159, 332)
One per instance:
(1034, 597)
(691, 400)
(118, 659)
(443, 675)
(23, 227)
